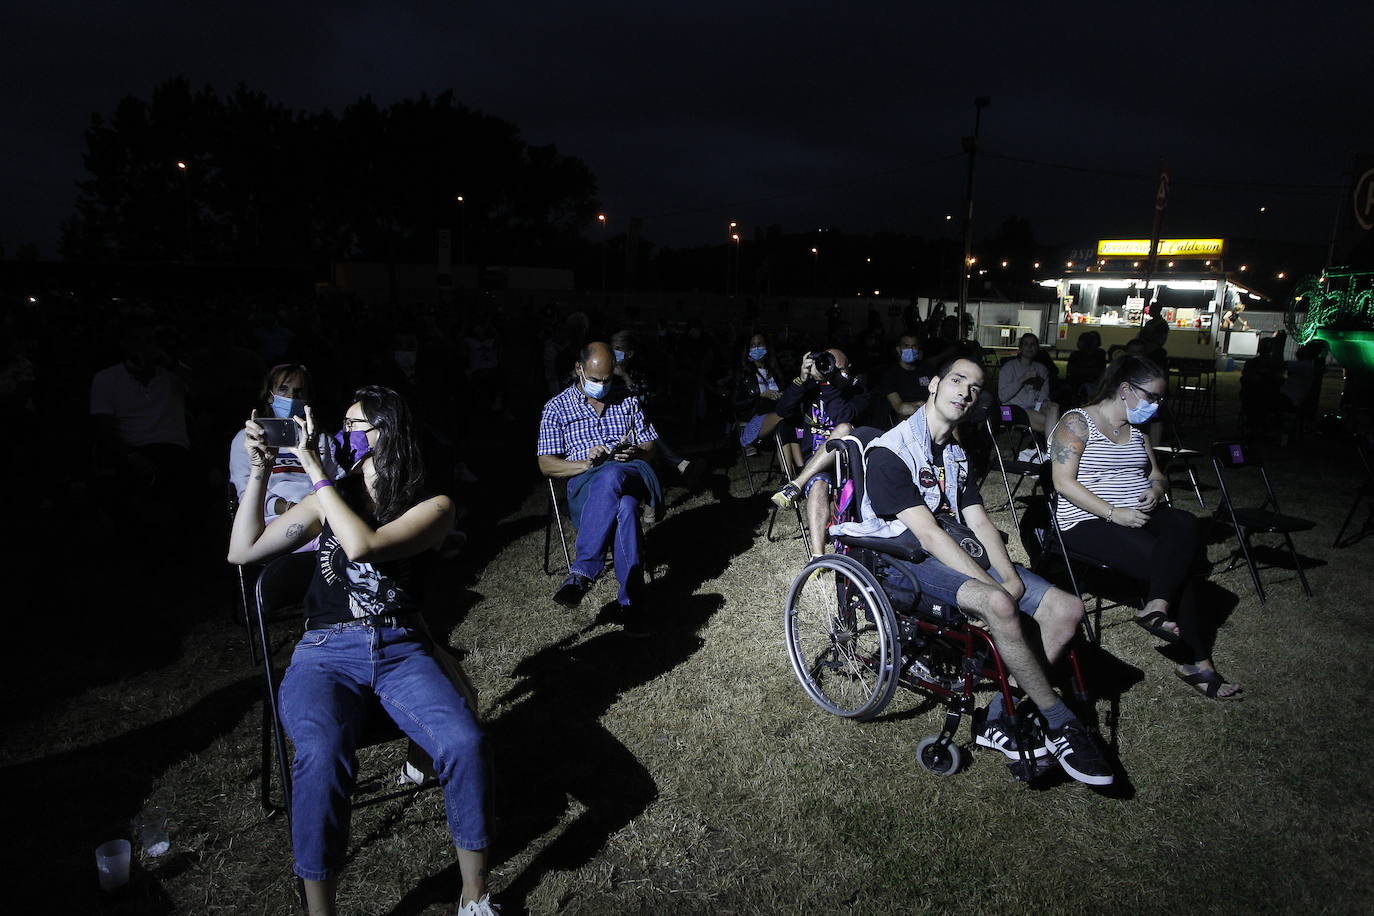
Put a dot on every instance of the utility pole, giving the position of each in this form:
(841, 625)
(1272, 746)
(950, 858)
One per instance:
(970, 147)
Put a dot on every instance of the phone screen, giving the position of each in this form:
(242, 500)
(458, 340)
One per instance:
(278, 432)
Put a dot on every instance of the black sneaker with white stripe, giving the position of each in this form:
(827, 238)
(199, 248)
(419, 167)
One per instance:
(999, 735)
(1077, 753)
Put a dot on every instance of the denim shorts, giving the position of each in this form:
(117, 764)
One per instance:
(941, 584)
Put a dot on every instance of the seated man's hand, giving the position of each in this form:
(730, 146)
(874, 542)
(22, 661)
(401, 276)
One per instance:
(625, 452)
(598, 454)
(1014, 587)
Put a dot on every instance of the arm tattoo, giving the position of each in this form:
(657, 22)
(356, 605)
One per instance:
(1060, 452)
(1070, 439)
(294, 531)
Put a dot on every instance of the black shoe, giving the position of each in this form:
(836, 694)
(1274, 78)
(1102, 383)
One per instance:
(1077, 753)
(999, 735)
(573, 590)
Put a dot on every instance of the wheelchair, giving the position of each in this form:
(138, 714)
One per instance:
(857, 628)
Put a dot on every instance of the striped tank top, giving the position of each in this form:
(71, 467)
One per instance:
(1116, 473)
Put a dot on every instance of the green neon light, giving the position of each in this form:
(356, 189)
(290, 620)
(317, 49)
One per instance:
(1334, 302)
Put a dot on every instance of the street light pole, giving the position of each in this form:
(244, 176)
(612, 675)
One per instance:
(186, 193)
(601, 218)
(970, 147)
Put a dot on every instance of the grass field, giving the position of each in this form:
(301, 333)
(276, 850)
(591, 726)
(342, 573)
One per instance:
(689, 773)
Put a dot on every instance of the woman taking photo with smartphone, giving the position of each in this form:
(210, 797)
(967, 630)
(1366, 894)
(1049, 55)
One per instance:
(364, 637)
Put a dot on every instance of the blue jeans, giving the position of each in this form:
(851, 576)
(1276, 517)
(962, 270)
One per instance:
(334, 674)
(612, 510)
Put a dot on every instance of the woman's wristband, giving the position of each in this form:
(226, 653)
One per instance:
(321, 484)
(1111, 510)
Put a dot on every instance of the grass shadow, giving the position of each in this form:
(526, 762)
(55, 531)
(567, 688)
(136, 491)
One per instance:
(90, 794)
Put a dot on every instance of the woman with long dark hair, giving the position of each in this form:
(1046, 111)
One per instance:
(364, 637)
(1112, 510)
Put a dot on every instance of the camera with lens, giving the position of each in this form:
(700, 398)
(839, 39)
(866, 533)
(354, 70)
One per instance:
(824, 361)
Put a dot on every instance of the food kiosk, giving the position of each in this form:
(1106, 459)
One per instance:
(1189, 282)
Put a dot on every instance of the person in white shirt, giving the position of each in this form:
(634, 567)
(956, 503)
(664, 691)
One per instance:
(1025, 382)
(285, 391)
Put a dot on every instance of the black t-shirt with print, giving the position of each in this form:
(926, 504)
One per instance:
(343, 590)
(891, 489)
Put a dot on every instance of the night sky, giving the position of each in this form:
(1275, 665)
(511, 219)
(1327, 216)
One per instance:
(799, 114)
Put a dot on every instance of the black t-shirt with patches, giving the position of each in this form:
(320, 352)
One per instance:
(891, 489)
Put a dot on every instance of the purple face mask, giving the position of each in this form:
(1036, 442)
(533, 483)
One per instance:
(353, 447)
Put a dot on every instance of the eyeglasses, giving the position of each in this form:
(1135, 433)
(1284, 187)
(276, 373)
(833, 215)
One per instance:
(1147, 395)
(350, 425)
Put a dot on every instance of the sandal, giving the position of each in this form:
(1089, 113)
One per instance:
(1155, 623)
(1208, 682)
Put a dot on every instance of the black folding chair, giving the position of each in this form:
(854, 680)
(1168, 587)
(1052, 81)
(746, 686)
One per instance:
(1009, 417)
(1263, 519)
(1052, 548)
(1364, 495)
(280, 590)
(1195, 388)
(558, 514)
(756, 478)
(245, 577)
(1174, 453)
(788, 472)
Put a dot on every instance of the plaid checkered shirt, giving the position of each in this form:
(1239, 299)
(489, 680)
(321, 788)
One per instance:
(569, 427)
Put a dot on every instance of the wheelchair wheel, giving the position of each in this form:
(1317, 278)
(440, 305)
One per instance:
(942, 761)
(842, 637)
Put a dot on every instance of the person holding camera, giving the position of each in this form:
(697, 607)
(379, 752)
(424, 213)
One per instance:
(825, 400)
(365, 637)
(594, 435)
(285, 392)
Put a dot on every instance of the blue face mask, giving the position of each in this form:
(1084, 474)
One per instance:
(757, 353)
(910, 355)
(353, 447)
(594, 390)
(1142, 412)
(619, 356)
(287, 407)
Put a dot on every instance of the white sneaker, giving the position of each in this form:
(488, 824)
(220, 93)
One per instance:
(1028, 454)
(482, 907)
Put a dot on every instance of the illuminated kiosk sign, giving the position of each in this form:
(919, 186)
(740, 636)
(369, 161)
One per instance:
(1168, 248)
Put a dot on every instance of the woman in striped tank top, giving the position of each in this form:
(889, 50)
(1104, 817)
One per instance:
(1111, 510)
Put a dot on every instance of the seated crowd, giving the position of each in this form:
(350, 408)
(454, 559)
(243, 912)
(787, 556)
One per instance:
(363, 501)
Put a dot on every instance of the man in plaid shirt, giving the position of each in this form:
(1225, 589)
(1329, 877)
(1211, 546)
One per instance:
(595, 436)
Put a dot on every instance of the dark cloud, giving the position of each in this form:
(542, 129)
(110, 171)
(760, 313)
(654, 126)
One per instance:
(833, 115)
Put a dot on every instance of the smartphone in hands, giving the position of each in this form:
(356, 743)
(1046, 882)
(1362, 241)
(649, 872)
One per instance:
(279, 432)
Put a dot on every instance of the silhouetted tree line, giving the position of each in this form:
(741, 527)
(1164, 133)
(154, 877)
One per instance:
(262, 183)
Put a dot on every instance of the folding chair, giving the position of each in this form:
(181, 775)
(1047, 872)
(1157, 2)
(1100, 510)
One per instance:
(1057, 548)
(1013, 418)
(246, 578)
(557, 513)
(1174, 452)
(1195, 389)
(749, 472)
(280, 588)
(1263, 519)
(788, 472)
(1364, 494)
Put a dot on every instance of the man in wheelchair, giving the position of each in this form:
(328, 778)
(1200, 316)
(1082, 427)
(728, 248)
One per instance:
(917, 483)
